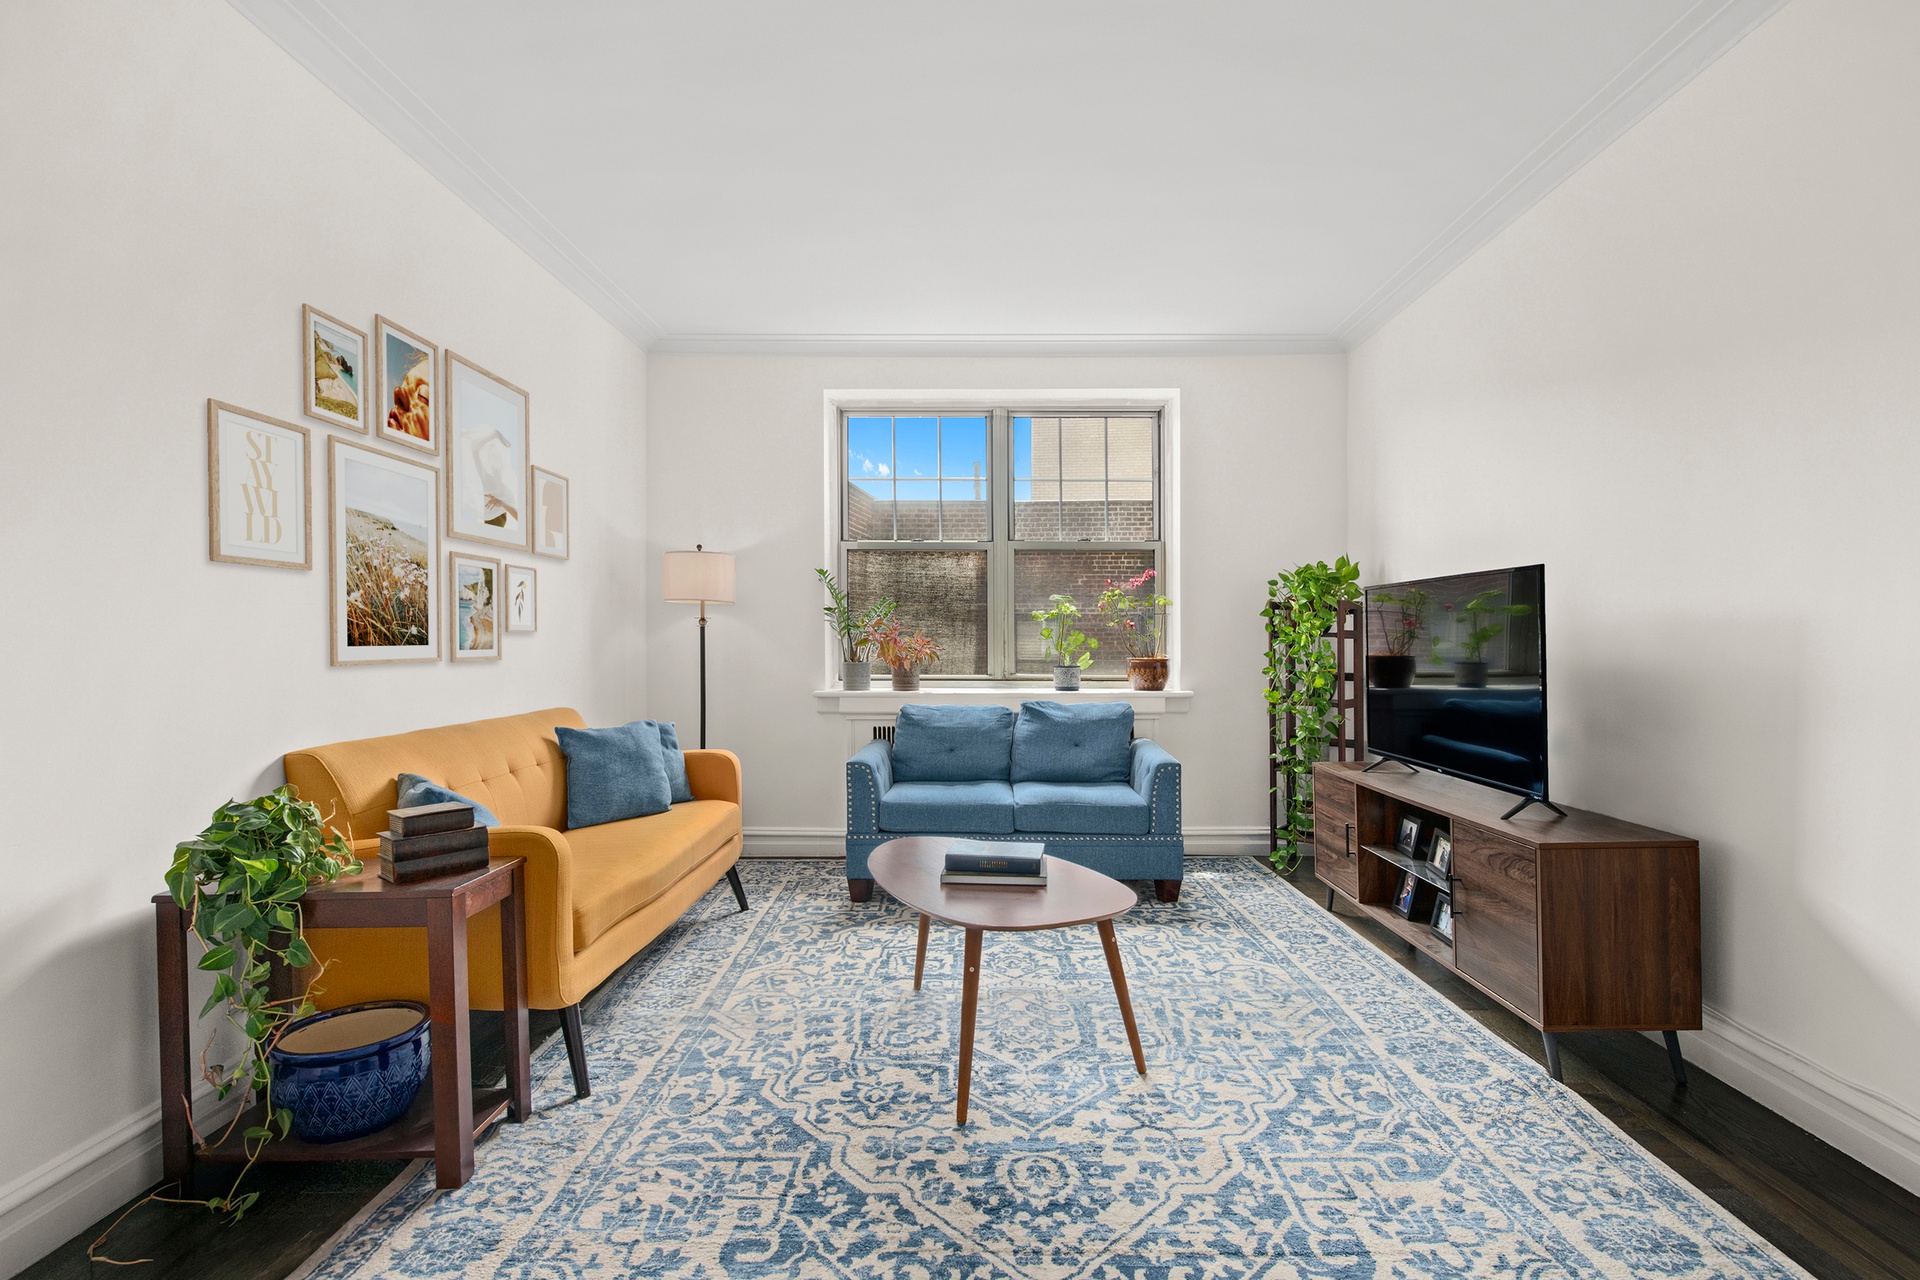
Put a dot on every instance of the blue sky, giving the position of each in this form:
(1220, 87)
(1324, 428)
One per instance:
(917, 451)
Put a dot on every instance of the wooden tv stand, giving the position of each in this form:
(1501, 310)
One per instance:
(1575, 923)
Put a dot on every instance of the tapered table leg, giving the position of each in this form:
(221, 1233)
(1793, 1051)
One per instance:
(1112, 946)
(449, 1036)
(513, 987)
(920, 956)
(969, 1001)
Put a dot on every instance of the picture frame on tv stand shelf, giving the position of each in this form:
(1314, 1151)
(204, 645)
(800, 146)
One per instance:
(1443, 917)
(1410, 835)
(1441, 852)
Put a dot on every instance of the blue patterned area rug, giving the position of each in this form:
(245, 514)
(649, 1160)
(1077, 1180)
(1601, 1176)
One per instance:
(771, 1098)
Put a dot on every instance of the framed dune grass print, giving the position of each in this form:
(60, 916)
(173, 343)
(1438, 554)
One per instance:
(486, 426)
(386, 556)
(335, 388)
(522, 598)
(406, 403)
(552, 514)
(474, 615)
(259, 489)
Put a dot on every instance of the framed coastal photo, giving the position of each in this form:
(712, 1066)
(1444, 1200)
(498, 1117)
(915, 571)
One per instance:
(336, 367)
(473, 606)
(486, 424)
(259, 489)
(386, 556)
(523, 598)
(405, 368)
(552, 522)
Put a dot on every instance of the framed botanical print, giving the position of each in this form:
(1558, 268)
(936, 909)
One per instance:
(552, 523)
(336, 367)
(406, 369)
(473, 606)
(386, 556)
(486, 425)
(522, 598)
(259, 489)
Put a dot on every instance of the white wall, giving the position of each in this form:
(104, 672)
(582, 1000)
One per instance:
(1688, 382)
(176, 188)
(735, 457)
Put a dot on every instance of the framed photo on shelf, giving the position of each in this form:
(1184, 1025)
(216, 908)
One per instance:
(552, 515)
(1415, 898)
(259, 489)
(386, 556)
(1406, 837)
(406, 366)
(1443, 917)
(523, 598)
(1442, 852)
(335, 362)
(486, 425)
(473, 607)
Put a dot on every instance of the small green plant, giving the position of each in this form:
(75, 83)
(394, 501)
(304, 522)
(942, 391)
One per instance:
(1485, 621)
(1302, 607)
(1070, 648)
(851, 628)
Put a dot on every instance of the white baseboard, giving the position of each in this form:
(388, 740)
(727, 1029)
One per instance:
(830, 842)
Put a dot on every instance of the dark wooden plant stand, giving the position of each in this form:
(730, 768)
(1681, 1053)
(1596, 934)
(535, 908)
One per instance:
(450, 1113)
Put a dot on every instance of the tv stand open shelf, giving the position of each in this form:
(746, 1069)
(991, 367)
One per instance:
(1574, 923)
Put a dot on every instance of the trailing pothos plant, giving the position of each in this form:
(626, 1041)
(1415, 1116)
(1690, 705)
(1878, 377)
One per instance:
(1302, 607)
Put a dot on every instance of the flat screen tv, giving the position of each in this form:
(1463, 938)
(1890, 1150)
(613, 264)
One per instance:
(1457, 677)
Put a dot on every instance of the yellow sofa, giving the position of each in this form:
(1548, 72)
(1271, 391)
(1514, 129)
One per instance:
(595, 895)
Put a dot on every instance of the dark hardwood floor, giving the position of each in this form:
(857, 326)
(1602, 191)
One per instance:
(1832, 1215)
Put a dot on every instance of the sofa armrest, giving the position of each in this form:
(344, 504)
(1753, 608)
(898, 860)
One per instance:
(869, 774)
(714, 775)
(549, 907)
(1156, 776)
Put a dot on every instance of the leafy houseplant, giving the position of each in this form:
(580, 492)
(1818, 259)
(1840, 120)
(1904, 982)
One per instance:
(905, 652)
(1072, 650)
(1302, 608)
(1400, 620)
(851, 630)
(1141, 621)
(1485, 621)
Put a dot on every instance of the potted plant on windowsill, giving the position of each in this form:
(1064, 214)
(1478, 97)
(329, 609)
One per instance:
(1401, 619)
(1072, 650)
(903, 651)
(856, 652)
(1141, 621)
(1485, 621)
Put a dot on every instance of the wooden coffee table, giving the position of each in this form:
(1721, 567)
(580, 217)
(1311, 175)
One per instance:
(909, 869)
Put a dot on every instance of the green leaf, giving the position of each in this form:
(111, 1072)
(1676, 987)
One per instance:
(299, 954)
(220, 957)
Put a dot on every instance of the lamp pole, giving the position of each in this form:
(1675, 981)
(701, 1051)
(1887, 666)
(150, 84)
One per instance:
(703, 675)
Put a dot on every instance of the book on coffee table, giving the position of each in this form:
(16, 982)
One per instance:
(978, 857)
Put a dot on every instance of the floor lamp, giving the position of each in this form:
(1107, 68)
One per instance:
(699, 577)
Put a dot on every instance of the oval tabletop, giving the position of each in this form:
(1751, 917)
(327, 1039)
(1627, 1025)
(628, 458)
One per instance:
(909, 869)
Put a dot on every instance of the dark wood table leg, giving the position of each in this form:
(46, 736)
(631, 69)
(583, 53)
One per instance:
(176, 1065)
(1112, 946)
(920, 956)
(1674, 1060)
(513, 989)
(452, 1066)
(969, 1001)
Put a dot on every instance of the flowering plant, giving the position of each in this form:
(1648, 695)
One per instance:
(894, 645)
(1140, 620)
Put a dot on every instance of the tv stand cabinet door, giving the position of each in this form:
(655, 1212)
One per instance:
(1496, 920)
(1336, 837)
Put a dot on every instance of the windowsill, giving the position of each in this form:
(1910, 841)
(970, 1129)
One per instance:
(885, 699)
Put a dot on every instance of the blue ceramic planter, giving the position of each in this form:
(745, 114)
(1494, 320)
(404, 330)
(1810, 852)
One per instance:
(344, 1090)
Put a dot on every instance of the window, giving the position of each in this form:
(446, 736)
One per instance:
(973, 519)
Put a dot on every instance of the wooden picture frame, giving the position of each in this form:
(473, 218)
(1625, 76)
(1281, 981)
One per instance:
(552, 521)
(487, 449)
(522, 598)
(254, 464)
(334, 361)
(473, 607)
(406, 384)
(385, 544)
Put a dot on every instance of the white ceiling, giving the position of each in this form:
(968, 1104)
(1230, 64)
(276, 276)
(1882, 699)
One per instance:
(1233, 175)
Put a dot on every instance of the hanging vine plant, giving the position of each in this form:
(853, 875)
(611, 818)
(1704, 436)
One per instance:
(1302, 607)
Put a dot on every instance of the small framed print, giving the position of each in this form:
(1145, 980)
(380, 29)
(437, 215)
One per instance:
(552, 523)
(1415, 898)
(486, 425)
(523, 598)
(406, 372)
(1442, 855)
(336, 370)
(1407, 838)
(386, 556)
(1443, 917)
(473, 607)
(259, 489)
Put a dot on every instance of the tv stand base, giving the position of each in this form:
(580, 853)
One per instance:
(1389, 760)
(1530, 800)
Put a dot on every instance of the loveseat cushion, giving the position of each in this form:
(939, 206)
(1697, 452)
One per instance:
(614, 774)
(1080, 808)
(1082, 742)
(619, 867)
(952, 744)
(960, 808)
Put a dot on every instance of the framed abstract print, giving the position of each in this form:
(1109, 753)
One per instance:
(406, 370)
(259, 489)
(336, 369)
(386, 556)
(486, 426)
(473, 606)
(523, 598)
(552, 515)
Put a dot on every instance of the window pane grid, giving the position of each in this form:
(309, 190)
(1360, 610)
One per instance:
(1085, 478)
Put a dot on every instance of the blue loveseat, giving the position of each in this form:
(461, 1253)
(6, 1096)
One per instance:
(1071, 776)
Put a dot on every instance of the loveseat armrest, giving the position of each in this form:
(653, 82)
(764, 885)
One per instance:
(869, 775)
(1156, 776)
(714, 775)
(549, 907)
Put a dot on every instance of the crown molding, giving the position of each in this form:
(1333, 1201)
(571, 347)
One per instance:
(988, 344)
(1694, 42)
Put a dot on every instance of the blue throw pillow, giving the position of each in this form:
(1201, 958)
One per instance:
(676, 761)
(1081, 742)
(614, 774)
(416, 790)
(952, 744)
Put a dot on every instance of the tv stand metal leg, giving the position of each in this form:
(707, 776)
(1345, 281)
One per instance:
(1552, 1042)
(1389, 760)
(1329, 897)
(1530, 800)
(1673, 1056)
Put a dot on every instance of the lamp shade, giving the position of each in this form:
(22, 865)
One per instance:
(696, 577)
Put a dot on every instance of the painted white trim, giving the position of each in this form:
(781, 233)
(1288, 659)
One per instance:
(1225, 842)
(884, 703)
(991, 344)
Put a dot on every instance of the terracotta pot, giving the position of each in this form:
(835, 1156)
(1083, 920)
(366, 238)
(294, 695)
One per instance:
(1147, 673)
(906, 679)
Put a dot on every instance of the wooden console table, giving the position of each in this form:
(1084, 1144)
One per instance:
(449, 1114)
(1575, 923)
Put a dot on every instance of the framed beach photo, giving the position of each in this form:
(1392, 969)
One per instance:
(386, 556)
(522, 598)
(406, 368)
(473, 607)
(487, 469)
(335, 388)
(259, 489)
(552, 518)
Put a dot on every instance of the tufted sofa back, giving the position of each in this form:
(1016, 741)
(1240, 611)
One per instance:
(512, 765)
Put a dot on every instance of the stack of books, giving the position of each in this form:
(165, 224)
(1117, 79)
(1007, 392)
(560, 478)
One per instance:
(975, 862)
(431, 840)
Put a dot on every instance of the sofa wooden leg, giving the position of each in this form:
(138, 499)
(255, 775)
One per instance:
(739, 891)
(859, 890)
(1167, 890)
(576, 1049)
